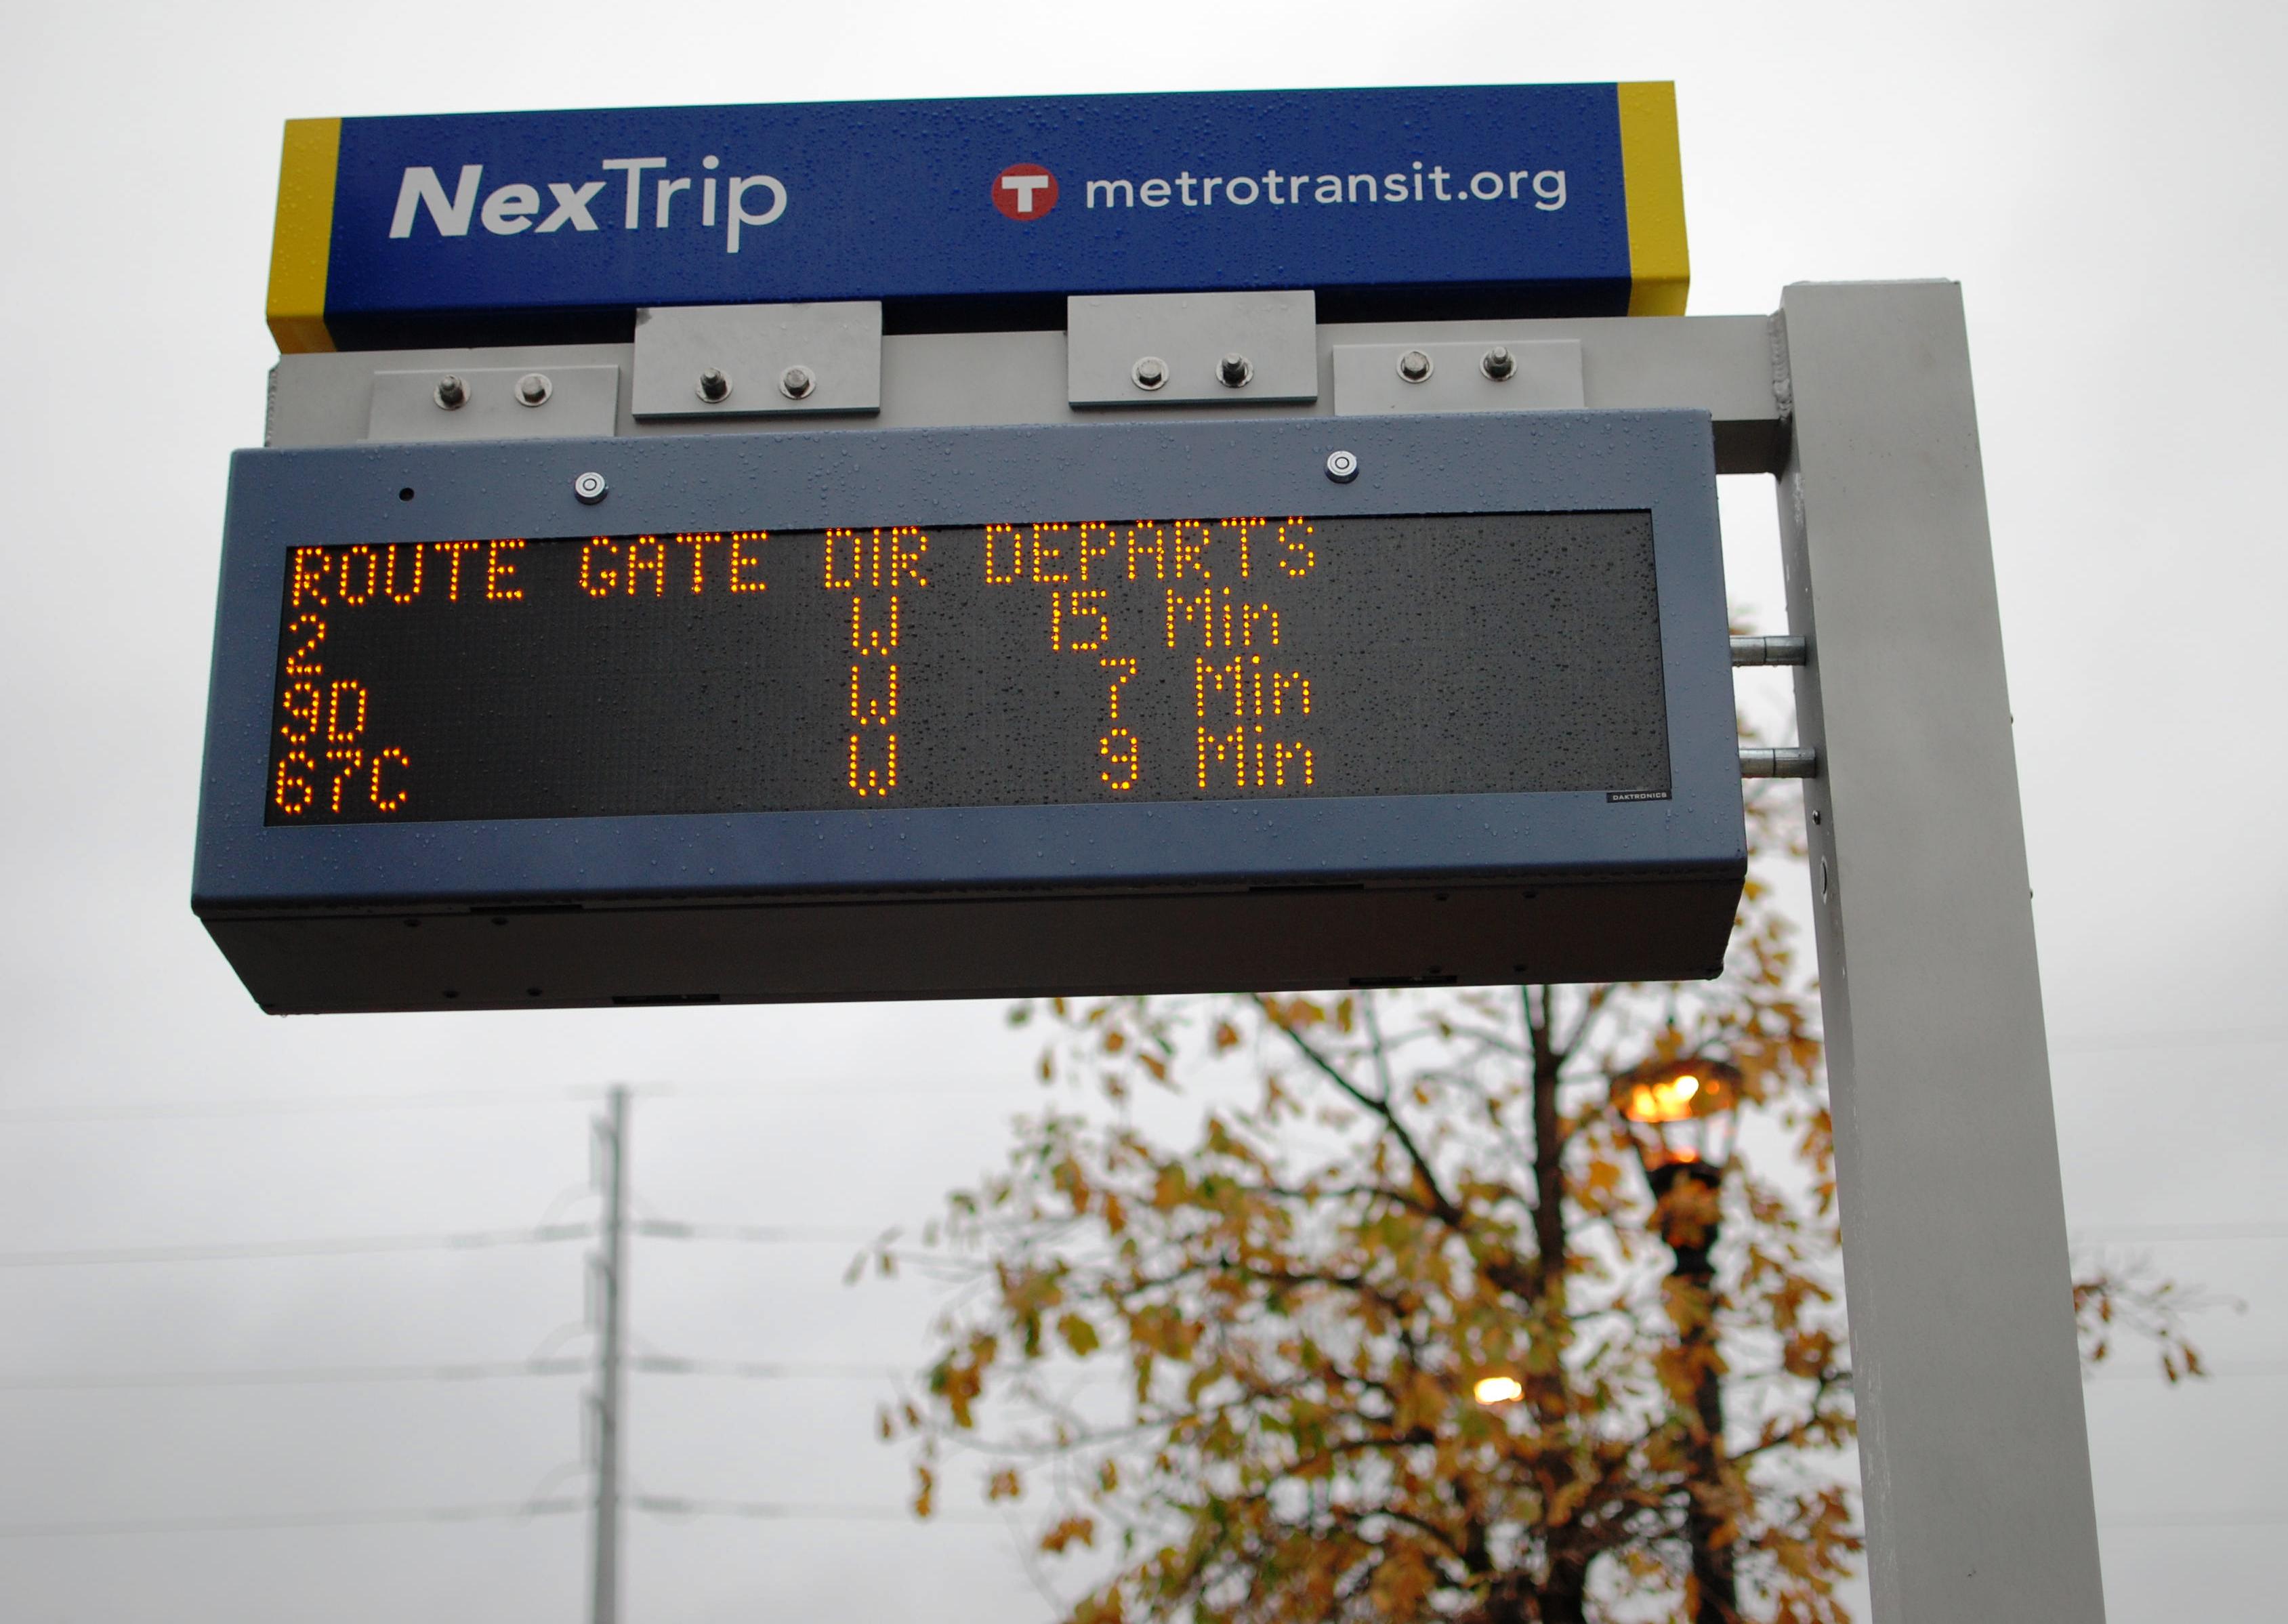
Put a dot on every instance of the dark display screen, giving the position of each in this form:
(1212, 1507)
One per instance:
(1006, 665)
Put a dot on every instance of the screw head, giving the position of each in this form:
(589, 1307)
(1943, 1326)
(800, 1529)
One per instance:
(1414, 366)
(1498, 362)
(591, 487)
(451, 393)
(1233, 371)
(797, 382)
(714, 386)
(1151, 372)
(1342, 466)
(532, 389)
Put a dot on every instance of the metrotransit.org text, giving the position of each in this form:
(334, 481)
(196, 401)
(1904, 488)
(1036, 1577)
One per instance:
(1543, 188)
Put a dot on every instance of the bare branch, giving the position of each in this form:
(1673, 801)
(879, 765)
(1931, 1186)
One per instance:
(1447, 1211)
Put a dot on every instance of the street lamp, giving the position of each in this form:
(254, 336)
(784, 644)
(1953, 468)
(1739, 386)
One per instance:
(1681, 1122)
(1679, 1118)
(1686, 1103)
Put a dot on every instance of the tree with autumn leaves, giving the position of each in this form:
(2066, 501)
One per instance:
(1247, 1377)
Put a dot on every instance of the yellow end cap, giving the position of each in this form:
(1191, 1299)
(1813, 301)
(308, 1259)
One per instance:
(1652, 166)
(303, 237)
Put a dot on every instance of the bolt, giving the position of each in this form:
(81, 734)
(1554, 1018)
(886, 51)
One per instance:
(1499, 363)
(1233, 371)
(590, 488)
(797, 382)
(452, 394)
(532, 389)
(1414, 366)
(1342, 466)
(1149, 373)
(714, 385)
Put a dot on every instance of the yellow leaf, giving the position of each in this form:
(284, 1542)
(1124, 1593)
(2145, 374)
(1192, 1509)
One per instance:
(1079, 1334)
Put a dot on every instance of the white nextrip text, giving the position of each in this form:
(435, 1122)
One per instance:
(506, 211)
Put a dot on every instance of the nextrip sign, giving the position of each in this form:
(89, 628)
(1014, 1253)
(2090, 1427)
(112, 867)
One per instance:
(1491, 199)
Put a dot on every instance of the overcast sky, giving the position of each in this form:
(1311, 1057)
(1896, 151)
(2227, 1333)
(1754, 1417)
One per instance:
(2103, 181)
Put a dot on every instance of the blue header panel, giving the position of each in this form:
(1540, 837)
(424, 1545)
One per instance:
(1520, 192)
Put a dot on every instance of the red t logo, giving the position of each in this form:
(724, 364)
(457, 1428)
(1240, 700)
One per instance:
(1024, 191)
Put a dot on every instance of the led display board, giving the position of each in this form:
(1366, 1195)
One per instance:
(994, 665)
(880, 714)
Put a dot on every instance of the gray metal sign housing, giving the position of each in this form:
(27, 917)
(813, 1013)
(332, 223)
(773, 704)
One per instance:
(1617, 881)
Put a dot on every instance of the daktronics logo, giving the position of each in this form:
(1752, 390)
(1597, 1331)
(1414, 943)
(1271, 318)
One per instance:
(1024, 191)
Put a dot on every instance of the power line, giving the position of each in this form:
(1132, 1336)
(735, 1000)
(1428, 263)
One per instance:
(130, 1111)
(679, 1508)
(308, 1376)
(668, 1364)
(2182, 1231)
(2188, 1038)
(260, 1105)
(318, 1375)
(673, 1364)
(472, 1240)
(658, 1505)
(2196, 1519)
(227, 1522)
(658, 1228)
(604, 1405)
(756, 1234)
(338, 1247)
(764, 1510)
(2226, 1370)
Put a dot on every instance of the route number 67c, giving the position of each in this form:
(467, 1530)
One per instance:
(327, 755)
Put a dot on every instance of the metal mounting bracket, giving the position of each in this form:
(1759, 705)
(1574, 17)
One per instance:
(1191, 349)
(1541, 375)
(756, 360)
(1788, 761)
(494, 403)
(1771, 652)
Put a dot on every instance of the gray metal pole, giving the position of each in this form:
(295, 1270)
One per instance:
(1973, 1445)
(604, 1594)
